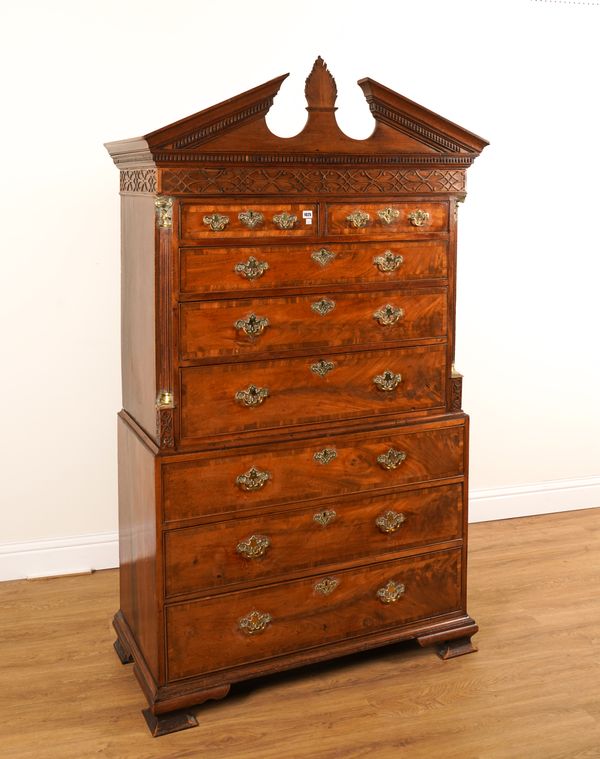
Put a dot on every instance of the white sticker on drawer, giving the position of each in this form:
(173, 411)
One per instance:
(307, 216)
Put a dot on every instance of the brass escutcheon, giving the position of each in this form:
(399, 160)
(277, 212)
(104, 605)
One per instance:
(325, 456)
(390, 592)
(253, 547)
(253, 325)
(252, 396)
(252, 480)
(418, 218)
(323, 307)
(392, 459)
(390, 521)
(251, 219)
(388, 262)
(252, 269)
(387, 381)
(216, 221)
(322, 367)
(388, 215)
(326, 586)
(388, 315)
(254, 622)
(358, 219)
(323, 256)
(325, 517)
(285, 220)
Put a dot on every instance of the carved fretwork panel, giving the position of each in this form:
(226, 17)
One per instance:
(164, 428)
(363, 181)
(138, 180)
(456, 391)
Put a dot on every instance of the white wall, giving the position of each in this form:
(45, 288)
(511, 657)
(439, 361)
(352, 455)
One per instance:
(523, 74)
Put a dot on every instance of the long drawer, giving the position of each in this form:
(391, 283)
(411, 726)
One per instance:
(250, 269)
(383, 219)
(262, 395)
(286, 220)
(265, 546)
(212, 329)
(230, 482)
(228, 630)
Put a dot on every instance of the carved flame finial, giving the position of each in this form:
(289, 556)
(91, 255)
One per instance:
(320, 89)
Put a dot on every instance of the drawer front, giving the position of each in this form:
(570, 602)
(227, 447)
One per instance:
(325, 467)
(251, 269)
(206, 221)
(258, 547)
(248, 626)
(214, 329)
(264, 395)
(383, 219)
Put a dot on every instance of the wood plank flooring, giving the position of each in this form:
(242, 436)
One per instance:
(533, 690)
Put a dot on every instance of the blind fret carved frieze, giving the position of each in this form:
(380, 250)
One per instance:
(138, 180)
(364, 181)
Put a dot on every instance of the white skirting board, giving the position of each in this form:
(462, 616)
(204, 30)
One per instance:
(536, 498)
(83, 553)
(59, 556)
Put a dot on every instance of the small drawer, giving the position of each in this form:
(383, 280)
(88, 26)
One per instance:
(230, 398)
(258, 547)
(249, 269)
(229, 630)
(213, 483)
(383, 219)
(214, 221)
(222, 329)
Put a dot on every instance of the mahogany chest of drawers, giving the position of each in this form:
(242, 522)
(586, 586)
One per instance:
(292, 450)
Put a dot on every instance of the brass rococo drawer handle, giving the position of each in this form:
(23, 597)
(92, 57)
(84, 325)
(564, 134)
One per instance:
(390, 592)
(391, 459)
(252, 396)
(322, 367)
(253, 547)
(252, 325)
(388, 215)
(285, 220)
(252, 269)
(418, 218)
(325, 456)
(252, 480)
(216, 221)
(323, 256)
(387, 381)
(388, 261)
(323, 307)
(358, 219)
(326, 586)
(324, 517)
(251, 219)
(388, 315)
(255, 622)
(390, 521)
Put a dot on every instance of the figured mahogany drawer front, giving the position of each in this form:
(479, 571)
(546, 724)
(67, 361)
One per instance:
(329, 466)
(251, 269)
(263, 395)
(205, 220)
(383, 219)
(259, 547)
(262, 623)
(212, 329)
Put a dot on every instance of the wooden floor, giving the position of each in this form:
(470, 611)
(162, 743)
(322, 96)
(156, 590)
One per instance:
(533, 690)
